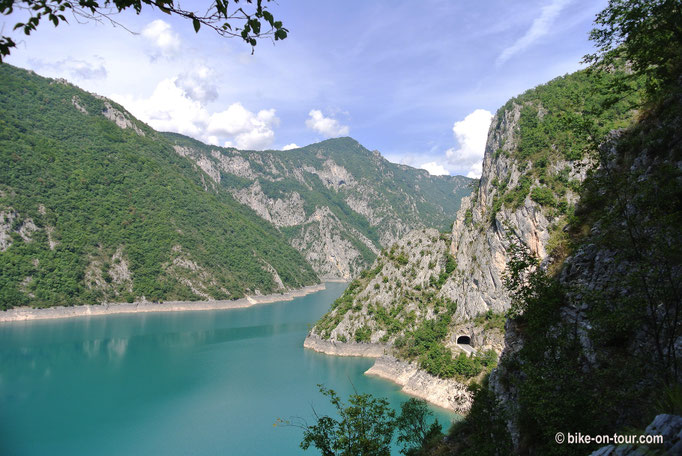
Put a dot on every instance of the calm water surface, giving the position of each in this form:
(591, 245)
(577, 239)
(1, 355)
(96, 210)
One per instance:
(178, 383)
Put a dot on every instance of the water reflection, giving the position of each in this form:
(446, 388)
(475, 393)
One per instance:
(173, 383)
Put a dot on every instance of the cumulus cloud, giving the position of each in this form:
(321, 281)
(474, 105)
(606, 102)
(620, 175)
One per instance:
(435, 169)
(248, 130)
(471, 134)
(76, 68)
(540, 27)
(326, 126)
(198, 84)
(291, 146)
(169, 108)
(165, 41)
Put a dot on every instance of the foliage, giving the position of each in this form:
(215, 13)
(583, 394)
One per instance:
(94, 188)
(483, 432)
(414, 431)
(592, 359)
(646, 33)
(364, 427)
(425, 344)
(550, 394)
(491, 320)
(363, 334)
(344, 303)
(628, 377)
(564, 120)
(468, 217)
(219, 16)
(543, 196)
(409, 195)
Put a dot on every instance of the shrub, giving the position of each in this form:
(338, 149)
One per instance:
(543, 196)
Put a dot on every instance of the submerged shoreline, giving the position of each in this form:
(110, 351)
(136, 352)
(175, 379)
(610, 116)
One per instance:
(445, 393)
(48, 313)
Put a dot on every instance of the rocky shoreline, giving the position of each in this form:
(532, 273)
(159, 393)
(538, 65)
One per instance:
(26, 314)
(332, 347)
(448, 394)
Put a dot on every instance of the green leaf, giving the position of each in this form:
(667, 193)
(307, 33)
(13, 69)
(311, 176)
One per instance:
(280, 34)
(255, 25)
(196, 24)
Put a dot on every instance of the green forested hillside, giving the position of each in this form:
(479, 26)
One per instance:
(361, 201)
(561, 122)
(90, 211)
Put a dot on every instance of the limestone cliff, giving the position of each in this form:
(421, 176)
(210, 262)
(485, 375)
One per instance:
(532, 175)
(337, 202)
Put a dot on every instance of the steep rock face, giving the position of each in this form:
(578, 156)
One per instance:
(484, 224)
(532, 173)
(399, 274)
(446, 393)
(625, 266)
(324, 240)
(478, 243)
(337, 202)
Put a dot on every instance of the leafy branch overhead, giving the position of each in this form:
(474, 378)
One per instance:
(249, 20)
(646, 33)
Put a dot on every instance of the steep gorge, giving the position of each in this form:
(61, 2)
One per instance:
(430, 288)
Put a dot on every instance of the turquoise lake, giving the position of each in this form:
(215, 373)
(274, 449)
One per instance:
(174, 383)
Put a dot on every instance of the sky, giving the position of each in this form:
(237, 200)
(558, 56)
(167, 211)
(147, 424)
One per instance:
(417, 81)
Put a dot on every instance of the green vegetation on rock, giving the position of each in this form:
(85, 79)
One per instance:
(95, 212)
(370, 201)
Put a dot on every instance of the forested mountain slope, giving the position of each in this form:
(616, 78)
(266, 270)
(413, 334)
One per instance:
(428, 289)
(96, 206)
(337, 202)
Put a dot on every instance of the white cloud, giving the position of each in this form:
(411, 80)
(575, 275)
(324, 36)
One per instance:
(169, 108)
(471, 134)
(326, 126)
(75, 68)
(540, 27)
(291, 146)
(198, 84)
(161, 35)
(435, 169)
(248, 130)
(476, 170)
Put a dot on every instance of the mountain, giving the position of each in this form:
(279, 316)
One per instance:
(336, 202)
(96, 206)
(430, 296)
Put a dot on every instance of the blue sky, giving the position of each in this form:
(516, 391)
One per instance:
(417, 81)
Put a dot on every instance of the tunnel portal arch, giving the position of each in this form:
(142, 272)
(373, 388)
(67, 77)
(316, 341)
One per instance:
(464, 340)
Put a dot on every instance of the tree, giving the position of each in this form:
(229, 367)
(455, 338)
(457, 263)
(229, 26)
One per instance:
(647, 33)
(365, 427)
(256, 21)
(414, 432)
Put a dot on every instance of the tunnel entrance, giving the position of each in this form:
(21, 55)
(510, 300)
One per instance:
(465, 340)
